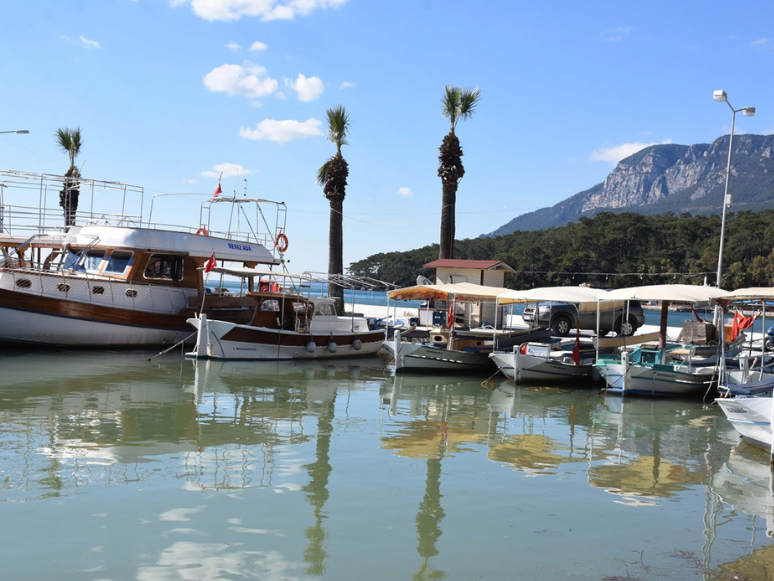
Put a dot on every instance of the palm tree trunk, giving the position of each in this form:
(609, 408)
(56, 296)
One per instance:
(336, 248)
(449, 200)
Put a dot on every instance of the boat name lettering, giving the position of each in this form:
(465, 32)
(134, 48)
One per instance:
(737, 410)
(245, 247)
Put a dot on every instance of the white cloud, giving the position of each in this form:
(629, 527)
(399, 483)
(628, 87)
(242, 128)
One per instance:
(616, 34)
(346, 85)
(258, 45)
(405, 192)
(229, 170)
(308, 89)
(283, 131)
(761, 42)
(264, 9)
(249, 80)
(89, 43)
(233, 47)
(616, 153)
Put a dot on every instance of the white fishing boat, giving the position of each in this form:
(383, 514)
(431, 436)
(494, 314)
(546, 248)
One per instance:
(552, 359)
(653, 369)
(449, 347)
(746, 390)
(108, 277)
(285, 324)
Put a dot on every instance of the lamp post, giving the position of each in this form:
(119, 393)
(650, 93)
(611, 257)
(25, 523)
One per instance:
(17, 131)
(748, 111)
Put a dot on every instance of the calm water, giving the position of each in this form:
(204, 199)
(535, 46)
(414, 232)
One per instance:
(116, 467)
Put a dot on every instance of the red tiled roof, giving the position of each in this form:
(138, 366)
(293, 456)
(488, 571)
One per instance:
(473, 264)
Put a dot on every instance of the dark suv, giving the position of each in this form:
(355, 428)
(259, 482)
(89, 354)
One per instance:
(562, 317)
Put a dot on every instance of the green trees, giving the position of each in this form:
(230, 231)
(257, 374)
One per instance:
(70, 142)
(612, 250)
(332, 176)
(456, 104)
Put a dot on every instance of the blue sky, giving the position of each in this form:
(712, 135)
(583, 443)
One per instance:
(170, 93)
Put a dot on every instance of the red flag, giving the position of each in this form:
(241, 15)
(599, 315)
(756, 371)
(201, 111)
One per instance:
(741, 323)
(576, 347)
(210, 263)
(218, 190)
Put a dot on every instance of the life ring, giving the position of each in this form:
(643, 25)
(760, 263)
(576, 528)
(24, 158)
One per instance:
(203, 231)
(281, 242)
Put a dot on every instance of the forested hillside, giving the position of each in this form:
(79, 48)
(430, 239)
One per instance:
(610, 250)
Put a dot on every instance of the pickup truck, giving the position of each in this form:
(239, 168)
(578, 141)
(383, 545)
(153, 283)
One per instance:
(562, 318)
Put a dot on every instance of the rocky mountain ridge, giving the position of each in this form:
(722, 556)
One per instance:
(670, 178)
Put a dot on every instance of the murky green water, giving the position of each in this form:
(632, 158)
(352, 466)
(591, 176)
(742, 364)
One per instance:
(114, 467)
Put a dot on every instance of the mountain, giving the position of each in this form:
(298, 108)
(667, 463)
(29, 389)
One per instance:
(670, 178)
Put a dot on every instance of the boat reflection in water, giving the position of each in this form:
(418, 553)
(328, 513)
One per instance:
(165, 469)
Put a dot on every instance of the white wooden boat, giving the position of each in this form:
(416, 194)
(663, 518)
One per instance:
(652, 370)
(114, 278)
(444, 350)
(547, 361)
(285, 325)
(550, 360)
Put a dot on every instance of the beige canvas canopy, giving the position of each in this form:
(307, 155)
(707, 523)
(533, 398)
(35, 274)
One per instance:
(751, 294)
(673, 293)
(584, 297)
(462, 292)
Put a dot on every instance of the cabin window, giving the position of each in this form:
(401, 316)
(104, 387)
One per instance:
(88, 262)
(325, 310)
(270, 305)
(164, 266)
(92, 260)
(118, 262)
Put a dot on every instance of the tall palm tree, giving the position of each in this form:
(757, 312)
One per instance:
(70, 142)
(457, 103)
(332, 176)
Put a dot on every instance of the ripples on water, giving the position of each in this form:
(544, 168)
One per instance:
(116, 467)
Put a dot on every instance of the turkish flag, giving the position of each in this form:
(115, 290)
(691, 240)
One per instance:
(218, 190)
(576, 348)
(210, 263)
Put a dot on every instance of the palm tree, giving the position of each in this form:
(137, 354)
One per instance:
(70, 142)
(332, 176)
(457, 103)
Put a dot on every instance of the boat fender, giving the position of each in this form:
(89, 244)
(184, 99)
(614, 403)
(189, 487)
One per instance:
(311, 346)
(202, 231)
(332, 346)
(357, 344)
(523, 349)
(281, 242)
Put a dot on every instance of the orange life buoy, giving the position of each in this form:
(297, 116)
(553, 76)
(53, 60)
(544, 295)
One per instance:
(263, 287)
(281, 242)
(203, 231)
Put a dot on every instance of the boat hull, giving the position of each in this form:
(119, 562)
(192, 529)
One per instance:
(534, 368)
(432, 358)
(660, 381)
(750, 417)
(224, 340)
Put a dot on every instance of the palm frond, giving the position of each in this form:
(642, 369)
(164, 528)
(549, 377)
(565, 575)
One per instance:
(458, 103)
(338, 126)
(322, 174)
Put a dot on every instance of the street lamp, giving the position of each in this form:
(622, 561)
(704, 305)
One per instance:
(17, 131)
(748, 111)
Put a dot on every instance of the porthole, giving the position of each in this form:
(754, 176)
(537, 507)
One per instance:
(64, 287)
(131, 293)
(98, 290)
(23, 282)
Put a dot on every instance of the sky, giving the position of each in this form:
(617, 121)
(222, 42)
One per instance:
(170, 93)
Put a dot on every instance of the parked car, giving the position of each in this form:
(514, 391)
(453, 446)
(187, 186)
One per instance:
(562, 318)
